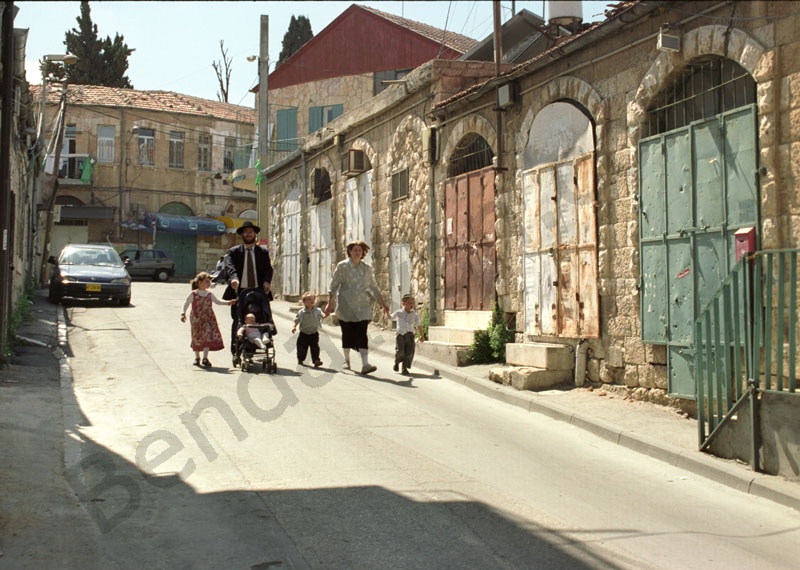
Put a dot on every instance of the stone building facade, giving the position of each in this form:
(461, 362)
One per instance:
(609, 210)
(127, 156)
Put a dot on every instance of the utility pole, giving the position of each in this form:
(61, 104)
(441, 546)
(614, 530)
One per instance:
(262, 192)
(6, 118)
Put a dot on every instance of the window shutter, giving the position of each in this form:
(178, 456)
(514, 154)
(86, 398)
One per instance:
(314, 119)
(287, 129)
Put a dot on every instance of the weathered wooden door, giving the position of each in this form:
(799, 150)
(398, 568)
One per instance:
(400, 272)
(290, 254)
(470, 265)
(319, 248)
(560, 259)
(358, 210)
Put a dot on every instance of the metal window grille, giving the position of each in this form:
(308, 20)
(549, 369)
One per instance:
(704, 89)
(105, 143)
(175, 149)
(204, 153)
(227, 157)
(472, 153)
(147, 147)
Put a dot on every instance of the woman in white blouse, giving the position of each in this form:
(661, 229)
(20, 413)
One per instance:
(353, 285)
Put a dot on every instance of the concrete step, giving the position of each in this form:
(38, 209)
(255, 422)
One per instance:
(446, 353)
(547, 356)
(452, 335)
(530, 378)
(478, 320)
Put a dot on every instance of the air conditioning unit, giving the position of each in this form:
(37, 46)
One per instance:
(354, 162)
(430, 145)
(668, 40)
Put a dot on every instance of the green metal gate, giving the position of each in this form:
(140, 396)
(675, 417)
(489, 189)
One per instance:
(698, 184)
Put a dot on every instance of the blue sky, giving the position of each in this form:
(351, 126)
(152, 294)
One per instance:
(176, 42)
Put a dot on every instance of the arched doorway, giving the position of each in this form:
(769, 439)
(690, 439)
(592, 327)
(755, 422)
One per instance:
(469, 264)
(698, 161)
(560, 238)
(181, 248)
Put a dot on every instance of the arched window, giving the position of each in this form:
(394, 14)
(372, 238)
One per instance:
(472, 153)
(703, 89)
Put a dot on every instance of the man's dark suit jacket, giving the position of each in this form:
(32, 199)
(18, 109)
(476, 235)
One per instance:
(234, 264)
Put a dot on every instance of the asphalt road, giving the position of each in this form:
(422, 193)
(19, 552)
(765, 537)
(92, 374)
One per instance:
(180, 467)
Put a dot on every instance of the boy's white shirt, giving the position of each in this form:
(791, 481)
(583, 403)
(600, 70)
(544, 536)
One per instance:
(406, 321)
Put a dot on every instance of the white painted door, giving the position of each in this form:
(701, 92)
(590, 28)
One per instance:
(400, 272)
(290, 255)
(358, 210)
(319, 248)
(63, 235)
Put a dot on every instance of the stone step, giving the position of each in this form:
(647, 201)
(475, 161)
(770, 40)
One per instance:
(530, 378)
(547, 356)
(443, 352)
(452, 335)
(478, 320)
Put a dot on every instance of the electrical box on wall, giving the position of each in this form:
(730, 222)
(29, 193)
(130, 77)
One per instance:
(745, 239)
(430, 145)
(507, 95)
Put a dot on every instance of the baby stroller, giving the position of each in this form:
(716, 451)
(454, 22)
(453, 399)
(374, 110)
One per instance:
(247, 355)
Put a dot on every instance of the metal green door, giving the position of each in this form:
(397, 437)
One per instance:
(698, 185)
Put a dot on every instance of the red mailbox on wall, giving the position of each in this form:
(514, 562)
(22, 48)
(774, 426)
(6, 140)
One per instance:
(745, 242)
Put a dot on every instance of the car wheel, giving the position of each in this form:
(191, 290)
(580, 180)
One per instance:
(162, 275)
(125, 302)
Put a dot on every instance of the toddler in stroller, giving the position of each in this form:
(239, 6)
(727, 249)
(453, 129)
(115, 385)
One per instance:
(256, 329)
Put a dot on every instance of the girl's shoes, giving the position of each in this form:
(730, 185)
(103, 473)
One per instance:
(206, 363)
(197, 362)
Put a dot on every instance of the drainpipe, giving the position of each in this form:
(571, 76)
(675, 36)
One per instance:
(304, 286)
(432, 234)
(580, 361)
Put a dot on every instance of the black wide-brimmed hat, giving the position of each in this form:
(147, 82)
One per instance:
(248, 224)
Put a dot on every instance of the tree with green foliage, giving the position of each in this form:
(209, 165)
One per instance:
(100, 61)
(296, 36)
(490, 345)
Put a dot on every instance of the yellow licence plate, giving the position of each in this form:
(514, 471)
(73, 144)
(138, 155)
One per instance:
(93, 287)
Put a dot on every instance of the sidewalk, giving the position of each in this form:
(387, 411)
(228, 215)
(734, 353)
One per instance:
(37, 504)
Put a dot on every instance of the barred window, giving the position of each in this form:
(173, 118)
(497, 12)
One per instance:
(204, 153)
(175, 149)
(230, 148)
(147, 147)
(105, 143)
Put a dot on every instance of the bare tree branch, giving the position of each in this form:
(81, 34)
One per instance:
(223, 70)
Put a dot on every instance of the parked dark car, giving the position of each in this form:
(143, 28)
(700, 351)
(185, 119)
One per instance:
(151, 263)
(89, 272)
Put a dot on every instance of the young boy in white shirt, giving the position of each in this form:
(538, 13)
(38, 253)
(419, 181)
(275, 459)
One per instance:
(309, 319)
(408, 322)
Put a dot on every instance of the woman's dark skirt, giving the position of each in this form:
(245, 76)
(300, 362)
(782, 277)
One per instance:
(354, 334)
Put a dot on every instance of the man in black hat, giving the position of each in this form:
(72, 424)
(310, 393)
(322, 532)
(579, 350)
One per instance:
(248, 267)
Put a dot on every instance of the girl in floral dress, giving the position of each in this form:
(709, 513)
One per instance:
(205, 331)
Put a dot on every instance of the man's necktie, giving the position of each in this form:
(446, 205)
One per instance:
(251, 270)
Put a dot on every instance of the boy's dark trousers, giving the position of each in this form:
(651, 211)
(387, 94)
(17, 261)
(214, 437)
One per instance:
(404, 349)
(306, 341)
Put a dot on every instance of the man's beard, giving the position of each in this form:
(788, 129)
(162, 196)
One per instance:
(249, 239)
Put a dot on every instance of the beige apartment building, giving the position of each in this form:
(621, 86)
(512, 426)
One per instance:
(145, 168)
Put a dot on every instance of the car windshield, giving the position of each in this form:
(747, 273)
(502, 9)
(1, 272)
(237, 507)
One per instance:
(90, 257)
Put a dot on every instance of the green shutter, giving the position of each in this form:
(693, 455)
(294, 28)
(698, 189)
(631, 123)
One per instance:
(314, 119)
(287, 129)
